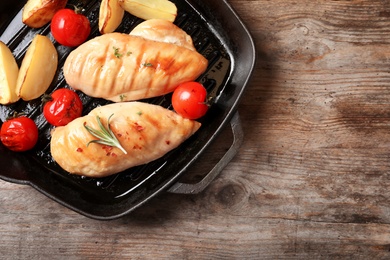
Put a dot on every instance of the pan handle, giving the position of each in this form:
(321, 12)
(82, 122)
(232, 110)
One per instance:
(238, 137)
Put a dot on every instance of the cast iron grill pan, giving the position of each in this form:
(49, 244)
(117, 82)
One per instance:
(116, 195)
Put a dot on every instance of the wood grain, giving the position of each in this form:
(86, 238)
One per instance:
(311, 181)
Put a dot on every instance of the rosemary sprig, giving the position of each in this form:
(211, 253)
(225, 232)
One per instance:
(105, 135)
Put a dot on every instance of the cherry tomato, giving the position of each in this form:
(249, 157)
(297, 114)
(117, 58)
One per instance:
(19, 134)
(189, 100)
(70, 28)
(61, 107)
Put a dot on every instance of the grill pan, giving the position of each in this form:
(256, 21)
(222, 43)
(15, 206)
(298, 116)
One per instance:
(218, 34)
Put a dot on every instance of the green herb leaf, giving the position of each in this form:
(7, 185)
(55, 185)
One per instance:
(122, 97)
(116, 52)
(105, 135)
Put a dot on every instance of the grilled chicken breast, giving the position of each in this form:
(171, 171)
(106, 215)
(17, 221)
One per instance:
(123, 67)
(163, 31)
(145, 131)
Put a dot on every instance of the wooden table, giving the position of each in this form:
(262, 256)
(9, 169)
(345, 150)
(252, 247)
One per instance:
(311, 181)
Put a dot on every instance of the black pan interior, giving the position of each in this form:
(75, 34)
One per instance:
(217, 33)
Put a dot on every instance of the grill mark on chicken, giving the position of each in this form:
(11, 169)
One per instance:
(103, 61)
(152, 120)
(118, 62)
(130, 75)
(154, 64)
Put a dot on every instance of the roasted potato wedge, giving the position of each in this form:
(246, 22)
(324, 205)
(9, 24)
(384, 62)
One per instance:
(37, 13)
(150, 9)
(8, 75)
(38, 68)
(110, 16)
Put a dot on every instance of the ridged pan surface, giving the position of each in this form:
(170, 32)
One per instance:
(218, 35)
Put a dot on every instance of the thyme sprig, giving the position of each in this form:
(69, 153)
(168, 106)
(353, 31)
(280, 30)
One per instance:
(105, 135)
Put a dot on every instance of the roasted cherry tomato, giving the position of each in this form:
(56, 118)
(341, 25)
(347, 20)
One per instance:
(19, 134)
(69, 27)
(190, 100)
(61, 107)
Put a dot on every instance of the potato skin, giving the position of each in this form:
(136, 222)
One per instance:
(37, 13)
(9, 71)
(38, 68)
(110, 16)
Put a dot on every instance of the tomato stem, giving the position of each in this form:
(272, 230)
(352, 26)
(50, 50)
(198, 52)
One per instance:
(77, 9)
(46, 98)
(15, 114)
